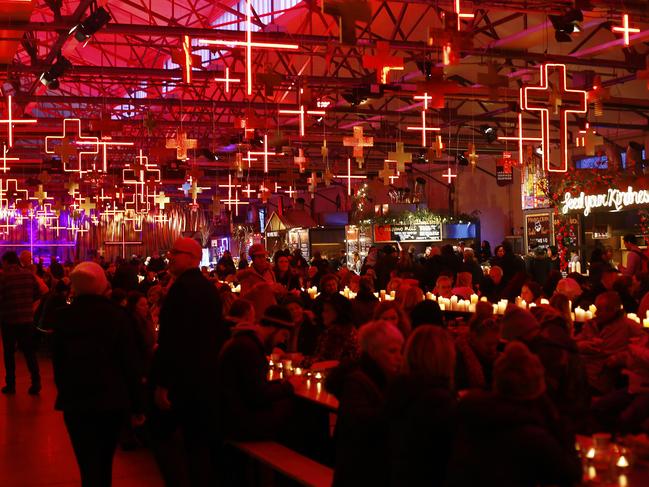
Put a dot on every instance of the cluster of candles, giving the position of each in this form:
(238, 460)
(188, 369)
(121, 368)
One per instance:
(644, 322)
(574, 267)
(608, 460)
(580, 315)
(455, 303)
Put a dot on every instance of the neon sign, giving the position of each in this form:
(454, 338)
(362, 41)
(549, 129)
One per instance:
(614, 199)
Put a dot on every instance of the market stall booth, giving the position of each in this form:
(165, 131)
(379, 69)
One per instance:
(289, 230)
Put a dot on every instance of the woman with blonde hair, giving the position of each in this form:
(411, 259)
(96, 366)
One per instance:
(409, 297)
(393, 313)
(420, 408)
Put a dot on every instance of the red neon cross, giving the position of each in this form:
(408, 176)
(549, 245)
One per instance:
(449, 175)
(104, 152)
(301, 113)
(552, 158)
(10, 121)
(423, 127)
(349, 177)
(625, 30)
(248, 44)
(425, 97)
(227, 80)
(94, 141)
(4, 168)
(265, 153)
(460, 15)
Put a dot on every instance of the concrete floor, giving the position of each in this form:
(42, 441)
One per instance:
(34, 446)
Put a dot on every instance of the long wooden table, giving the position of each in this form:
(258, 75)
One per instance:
(315, 392)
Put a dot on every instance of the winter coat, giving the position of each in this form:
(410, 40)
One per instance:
(420, 413)
(503, 442)
(361, 430)
(250, 407)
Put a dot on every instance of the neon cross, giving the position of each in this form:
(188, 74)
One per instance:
(248, 44)
(290, 191)
(472, 155)
(229, 186)
(264, 153)
(439, 146)
(105, 143)
(358, 141)
(424, 128)
(300, 160)
(400, 157)
(41, 195)
(449, 176)
(234, 201)
(181, 143)
(301, 113)
(425, 97)
(9, 190)
(457, 8)
(386, 173)
(67, 149)
(4, 168)
(227, 80)
(187, 53)
(10, 121)
(248, 190)
(625, 30)
(186, 186)
(313, 182)
(383, 62)
(589, 140)
(72, 187)
(520, 138)
(87, 205)
(162, 200)
(548, 156)
(349, 177)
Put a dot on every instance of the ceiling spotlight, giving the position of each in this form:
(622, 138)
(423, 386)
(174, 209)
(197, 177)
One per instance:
(51, 77)
(489, 133)
(538, 150)
(462, 160)
(566, 24)
(95, 21)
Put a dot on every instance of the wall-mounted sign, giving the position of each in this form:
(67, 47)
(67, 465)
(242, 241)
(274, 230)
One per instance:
(416, 232)
(539, 230)
(613, 200)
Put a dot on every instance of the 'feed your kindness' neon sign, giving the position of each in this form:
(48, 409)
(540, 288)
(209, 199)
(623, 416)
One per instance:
(614, 199)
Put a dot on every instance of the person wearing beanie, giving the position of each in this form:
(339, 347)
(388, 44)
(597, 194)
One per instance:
(519, 324)
(191, 333)
(250, 406)
(517, 422)
(97, 372)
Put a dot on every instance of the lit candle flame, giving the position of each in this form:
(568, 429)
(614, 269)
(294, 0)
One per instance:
(622, 462)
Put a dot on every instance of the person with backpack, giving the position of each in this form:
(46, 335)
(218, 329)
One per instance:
(637, 262)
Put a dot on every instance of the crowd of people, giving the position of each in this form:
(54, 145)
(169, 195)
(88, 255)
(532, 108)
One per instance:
(165, 354)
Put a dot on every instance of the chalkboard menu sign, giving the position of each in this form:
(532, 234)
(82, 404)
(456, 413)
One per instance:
(539, 230)
(416, 232)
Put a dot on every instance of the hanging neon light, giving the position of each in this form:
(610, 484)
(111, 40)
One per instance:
(301, 112)
(625, 30)
(67, 149)
(10, 121)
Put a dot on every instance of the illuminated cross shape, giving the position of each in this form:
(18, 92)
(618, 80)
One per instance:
(349, 177)
(301, 112)
(195, 190)
(449, 176)
(457, 8)
(472, 156)
(227, 80)
(4, 168)
(181, 143)
(230, 186)
(72, 187)
(300, 160)
(41, 195)
(249, 159)
(625, 30)
(425, 98)
(264, 192)
(67, 149)
(185, 59)
(383, 62)
(104, 144)
(10, 121)
(248, 44)
(589, 140)
(248, 191)
(46, 216)
(424, 128)
(264, 153)
(386, 173)
(87, 205)
(187, 185)
(553, 159)
(520, 138)
(358, 141)
(400, 157)
(161, 200)
(507, 162)
(277, 188)
(439, 146)
(9, 191)
(313, 182)
(234, 201)
(290, 191)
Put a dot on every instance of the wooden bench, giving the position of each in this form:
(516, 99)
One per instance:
(287, 462)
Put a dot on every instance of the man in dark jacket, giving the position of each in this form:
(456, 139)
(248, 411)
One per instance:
(190, 336)
(96, 373)
(18, 291)
(251, 406)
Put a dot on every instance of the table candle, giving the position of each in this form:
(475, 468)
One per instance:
(593, 309)
(590, 454)
(474, 298)
(544, 301)
(622, 462)
(430, 296)
(298, 371)
(382, 294)
(483, 299)
(645, 323)
(442, 306)
(393, 294)
(453, 303)
(472, 307)
(318, 376)
(580, 314)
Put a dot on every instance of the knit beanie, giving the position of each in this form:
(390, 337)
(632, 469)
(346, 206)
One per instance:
(88, 278)
(518, 373)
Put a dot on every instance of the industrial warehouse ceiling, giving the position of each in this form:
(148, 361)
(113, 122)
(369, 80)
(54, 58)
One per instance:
(128, 81)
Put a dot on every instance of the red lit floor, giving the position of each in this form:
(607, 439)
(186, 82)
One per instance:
(34, 445)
